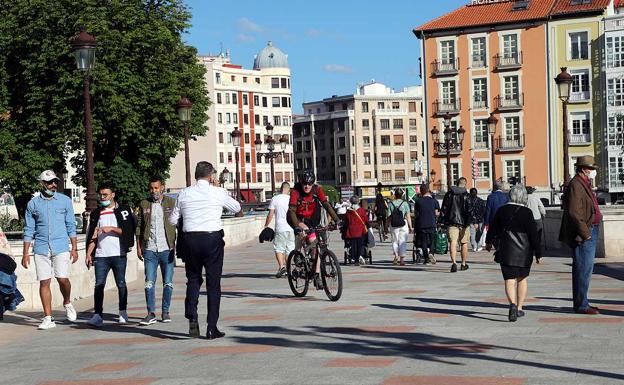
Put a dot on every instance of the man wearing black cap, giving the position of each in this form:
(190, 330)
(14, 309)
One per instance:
(200, 206)
(580, 228)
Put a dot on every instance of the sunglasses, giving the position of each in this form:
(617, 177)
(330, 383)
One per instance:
(54, 181)
(308, 184)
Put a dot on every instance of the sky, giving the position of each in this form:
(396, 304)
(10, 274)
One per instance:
(332, 46)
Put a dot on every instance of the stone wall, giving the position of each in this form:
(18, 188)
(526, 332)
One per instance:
(237, 231)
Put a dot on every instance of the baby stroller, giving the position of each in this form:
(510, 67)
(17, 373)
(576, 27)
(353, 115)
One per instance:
(368, 254)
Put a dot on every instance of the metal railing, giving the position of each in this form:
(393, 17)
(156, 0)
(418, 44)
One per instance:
(507, 61)
(482, 144)
(479, 103)
(509, 102)
(579, 139)
(582, 96)
(451, 107)
(439, 151)
(445, 67)
(510, 144)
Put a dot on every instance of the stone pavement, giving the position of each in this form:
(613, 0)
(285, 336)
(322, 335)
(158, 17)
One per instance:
(394, 325)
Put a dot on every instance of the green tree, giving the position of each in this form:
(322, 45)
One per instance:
(142, 68)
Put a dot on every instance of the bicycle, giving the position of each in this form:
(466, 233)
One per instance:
(300, 267)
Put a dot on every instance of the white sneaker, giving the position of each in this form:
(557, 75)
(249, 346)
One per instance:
(96, 321)
(71, 312)
(123, 317)
(47, 323)
(480, 249)
(362, 261)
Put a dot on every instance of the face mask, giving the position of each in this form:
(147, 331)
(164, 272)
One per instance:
(156, 195)
(49, 193)
(592, 174)
(105, 203)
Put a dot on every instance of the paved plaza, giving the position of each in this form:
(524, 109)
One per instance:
(394, 325)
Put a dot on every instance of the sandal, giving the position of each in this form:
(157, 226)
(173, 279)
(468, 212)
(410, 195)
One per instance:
(395, 262)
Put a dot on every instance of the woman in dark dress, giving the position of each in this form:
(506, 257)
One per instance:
(513, 233)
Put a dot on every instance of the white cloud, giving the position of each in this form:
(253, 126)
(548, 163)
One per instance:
(243, 38)
(338, 68)
(313, 32)
(249, 26)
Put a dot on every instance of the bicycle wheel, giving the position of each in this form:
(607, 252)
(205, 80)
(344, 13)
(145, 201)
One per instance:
(331, 275)
(297, 270)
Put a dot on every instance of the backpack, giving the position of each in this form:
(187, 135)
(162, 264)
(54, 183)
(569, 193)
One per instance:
(396, 216)
(316, 217)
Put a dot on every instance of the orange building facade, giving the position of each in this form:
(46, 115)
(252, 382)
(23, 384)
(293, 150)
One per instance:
(481, 60)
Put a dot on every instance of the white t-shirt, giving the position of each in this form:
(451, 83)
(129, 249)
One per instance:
(108, 244)
(279, 203)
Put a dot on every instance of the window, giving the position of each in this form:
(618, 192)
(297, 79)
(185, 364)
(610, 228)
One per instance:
(397, 123)
(217, 78)
(275, 82)
(479, 93)
(342, 142)
(256, 100)
(286, 120)
(411, 107)
(413, 125)
(615, 131)
(615, 92)
(228, 138)
(367, 141)
(277, 121)
(267, 175)
(512, 128)
(365, 124)
(413, 156)
(399, 175)
(257, 80)
(265, 120)
(220, 137)
(221, 157)
(235, 118)
(380, 105)
(227, 98)
(479, 57)
(283, 83)
(343, 178)
(579, 128)
(245, 101)
(384, 124)
(244, 79)
(481, 139)
(510, 46)
(219, 98)
(386, 175)
(398, 140)
(512, 168)
(615, 51)
(275, 101)
(616, 171)
(580, 85)
(229, 157)
(367, 175)
(284, 101)
(386, 158)
(484, 169)
(219, 117)
(579, 47)
(448, 92)
(364, 106)
(367, 158)
(246, 119)
(399, 158)
(233, 78)
(264, 101)
(512, 91)
(228, 118)
(342, 160)
(246, 138)
(234, 98)
(385, 140)
(395, 105)
(257, 120)
(447, 50)
(413, 140)
(259, 177)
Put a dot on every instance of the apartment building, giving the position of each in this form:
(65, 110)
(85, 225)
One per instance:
(359, 140)
(249, 99)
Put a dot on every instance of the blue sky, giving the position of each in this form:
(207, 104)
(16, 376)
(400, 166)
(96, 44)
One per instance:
(331, 45)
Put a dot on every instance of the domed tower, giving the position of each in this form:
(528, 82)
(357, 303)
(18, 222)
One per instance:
(270, 57)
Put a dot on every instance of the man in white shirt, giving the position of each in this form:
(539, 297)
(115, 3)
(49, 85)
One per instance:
(200, 207)
(284, 241)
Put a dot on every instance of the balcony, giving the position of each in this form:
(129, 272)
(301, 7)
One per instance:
(508, 61)
(579, 97)
(479, 61)
(579, 139)
(390, 112)
(365, 182)
(510, 144)
(479, 103)
(482, 144)
(439, 151)
(445, 67)
(451, 107)
(509, 102)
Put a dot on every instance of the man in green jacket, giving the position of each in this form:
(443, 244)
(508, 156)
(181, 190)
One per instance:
(155, 246)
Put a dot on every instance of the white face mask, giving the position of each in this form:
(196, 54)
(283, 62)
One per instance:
(592, 174)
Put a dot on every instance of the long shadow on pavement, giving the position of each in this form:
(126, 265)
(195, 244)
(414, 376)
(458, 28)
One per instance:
(463, 313)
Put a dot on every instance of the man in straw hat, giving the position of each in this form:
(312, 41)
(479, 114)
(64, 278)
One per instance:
(580, 227)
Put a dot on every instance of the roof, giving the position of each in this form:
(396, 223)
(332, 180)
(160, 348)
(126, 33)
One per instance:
(619, 3)
(270, 57)
(503, 13)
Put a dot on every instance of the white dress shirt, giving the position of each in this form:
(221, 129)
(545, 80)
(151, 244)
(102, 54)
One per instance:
(201, 206)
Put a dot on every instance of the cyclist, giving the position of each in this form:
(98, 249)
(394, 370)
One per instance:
(304, 211)
(381, 210)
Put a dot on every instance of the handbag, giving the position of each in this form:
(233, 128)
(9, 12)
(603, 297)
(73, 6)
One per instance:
(369, 231)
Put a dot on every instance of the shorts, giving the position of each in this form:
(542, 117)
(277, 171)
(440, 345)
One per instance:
(284, 242)
(44, 265)
(459, 234)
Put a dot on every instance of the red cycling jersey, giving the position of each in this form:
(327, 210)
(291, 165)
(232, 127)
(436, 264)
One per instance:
(308, 204)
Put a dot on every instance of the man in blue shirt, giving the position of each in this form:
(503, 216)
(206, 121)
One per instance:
(495, 200)
(50, 223)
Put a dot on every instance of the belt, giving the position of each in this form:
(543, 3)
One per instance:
(203, 232)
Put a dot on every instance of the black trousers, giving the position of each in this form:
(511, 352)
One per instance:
(357, 248)
(205, 251)
(425, 240)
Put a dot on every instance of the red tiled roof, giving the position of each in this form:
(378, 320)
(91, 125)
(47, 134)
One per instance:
(502, 13)
(488, 14)
(619, 3)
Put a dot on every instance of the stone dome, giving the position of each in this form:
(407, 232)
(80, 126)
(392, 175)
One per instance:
(270, 57)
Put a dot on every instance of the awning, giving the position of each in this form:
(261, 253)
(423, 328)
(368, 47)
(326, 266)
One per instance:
(248, 196)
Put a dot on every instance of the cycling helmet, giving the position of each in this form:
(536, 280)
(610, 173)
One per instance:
(307, 177)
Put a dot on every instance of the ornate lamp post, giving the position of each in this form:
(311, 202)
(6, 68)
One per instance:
(491, 123)
(184, 108)
(83, 46)
(223, 176)
(271, 154)
(564, 81)
(453, 139)
(236, 137)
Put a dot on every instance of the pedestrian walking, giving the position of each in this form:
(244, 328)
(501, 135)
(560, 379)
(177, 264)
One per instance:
(284, 241)
(109, 239)
(426, 211)
(538, 210)
(456, 217)
(381, 213)
(580, 229)
(495, 200)
(400, 222)
(356, 228)
(49, 223)
(156, 239)
(476, 210)
(514, 235)
(200, 207)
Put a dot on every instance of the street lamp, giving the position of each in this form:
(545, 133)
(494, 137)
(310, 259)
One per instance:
(271, 154)
(236, 135)
(452, 139)
(83, 46)
(564, 81)
(491, 124)
(432, 174)
(184, 108)
(223, 176)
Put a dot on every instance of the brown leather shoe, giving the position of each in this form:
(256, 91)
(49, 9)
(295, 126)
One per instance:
(589, 310)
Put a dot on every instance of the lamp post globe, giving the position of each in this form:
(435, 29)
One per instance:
(184, 108)
(84, 45)
(283, 142)
(269, 129)
(236, 135)
(258, 143)
(491, 122)
(564, 82)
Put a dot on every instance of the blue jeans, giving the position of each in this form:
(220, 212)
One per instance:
(102, 266)
(152, 260)
(582, 268)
